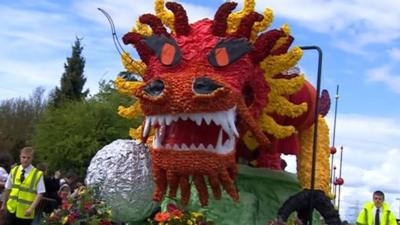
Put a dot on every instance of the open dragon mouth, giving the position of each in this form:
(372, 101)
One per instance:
(213, 132)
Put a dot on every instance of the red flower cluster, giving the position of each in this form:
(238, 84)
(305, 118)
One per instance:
(176, 216)
(85, 208)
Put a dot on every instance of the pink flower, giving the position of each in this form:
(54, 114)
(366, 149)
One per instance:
(171, 207)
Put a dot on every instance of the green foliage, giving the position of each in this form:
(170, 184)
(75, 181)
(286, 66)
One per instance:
(17, 119)
(72, 80)
(68, 137)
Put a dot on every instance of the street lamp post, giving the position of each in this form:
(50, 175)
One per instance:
(315, 136)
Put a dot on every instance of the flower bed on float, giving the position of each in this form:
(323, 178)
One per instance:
(83, 209)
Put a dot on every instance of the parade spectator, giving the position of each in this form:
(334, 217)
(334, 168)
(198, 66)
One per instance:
(23, 190)
(50, 200)
(64, 193)
(5, 162)
(376, 212)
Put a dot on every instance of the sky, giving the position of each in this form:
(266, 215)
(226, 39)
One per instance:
(360, 40)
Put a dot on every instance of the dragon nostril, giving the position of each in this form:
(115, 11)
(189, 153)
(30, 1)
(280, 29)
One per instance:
(204, 85)
(154, 88)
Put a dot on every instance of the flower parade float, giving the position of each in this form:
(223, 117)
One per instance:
(218, 91)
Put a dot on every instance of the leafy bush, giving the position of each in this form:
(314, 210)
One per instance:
(68, 137)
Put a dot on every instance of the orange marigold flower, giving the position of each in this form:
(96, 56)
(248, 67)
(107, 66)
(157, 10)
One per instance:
(162, 217)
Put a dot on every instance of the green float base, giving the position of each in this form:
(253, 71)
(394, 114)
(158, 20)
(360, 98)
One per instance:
(262, 192)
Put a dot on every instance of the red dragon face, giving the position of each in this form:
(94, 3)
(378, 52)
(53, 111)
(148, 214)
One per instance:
(203, 89)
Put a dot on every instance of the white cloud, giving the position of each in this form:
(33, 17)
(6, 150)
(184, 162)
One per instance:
(370, 159)
(364, 21)
(125, 12)
(385, 75)
(36, 42)
(394, 53)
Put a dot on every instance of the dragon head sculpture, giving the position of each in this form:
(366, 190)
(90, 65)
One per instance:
(208, 87)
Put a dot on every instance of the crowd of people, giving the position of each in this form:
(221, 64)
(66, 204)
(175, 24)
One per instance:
(28, 191)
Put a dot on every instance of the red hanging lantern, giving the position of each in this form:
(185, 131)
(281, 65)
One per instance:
(339, 181)
(333, 150)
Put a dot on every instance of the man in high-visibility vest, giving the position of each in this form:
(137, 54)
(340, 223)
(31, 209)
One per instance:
(376, 212)
(23, 190)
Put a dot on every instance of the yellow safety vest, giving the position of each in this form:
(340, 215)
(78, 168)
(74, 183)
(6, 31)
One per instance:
(23, 194)
(366, 216)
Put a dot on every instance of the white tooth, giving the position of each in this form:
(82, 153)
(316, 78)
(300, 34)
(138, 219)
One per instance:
(208, 118)
(146, 128)
(197, 118)
(161, 133)
(168, 120)
(175, 118)
(184, 147)
(156, 143)
(161, 120)
(184, 116)
(231, 121)
(210, 148)
(192, 147)
(176, 147)
(218, 146)
(201, 147)
(217, 118)
(154, 120)
(167, 146)
(225, 126)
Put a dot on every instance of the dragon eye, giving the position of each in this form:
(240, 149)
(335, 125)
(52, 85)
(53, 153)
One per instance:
(228, 51)
(154, 88)
(166, 49)
(130, 76)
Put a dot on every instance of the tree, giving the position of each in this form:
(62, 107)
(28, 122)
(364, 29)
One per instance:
(68, 137)
(72, 80)
(17, 120)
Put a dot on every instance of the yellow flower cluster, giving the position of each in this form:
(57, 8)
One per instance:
(277, 103)
(127, 87)
(250, 141)
(304, 160)
(142, 29)
(285, 28)
(235, 18)
(136, 133)
(133, 66)
(269, 125)
(279, 88)
(273, 65)
(165, 16)
(283, 107)
(131, 111)
(282, 86)
(262, 25)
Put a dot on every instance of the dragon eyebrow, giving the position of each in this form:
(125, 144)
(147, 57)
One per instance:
(228, 51)
(166, 49)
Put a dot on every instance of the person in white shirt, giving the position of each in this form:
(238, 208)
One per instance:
(5, 162)
(23, 190)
